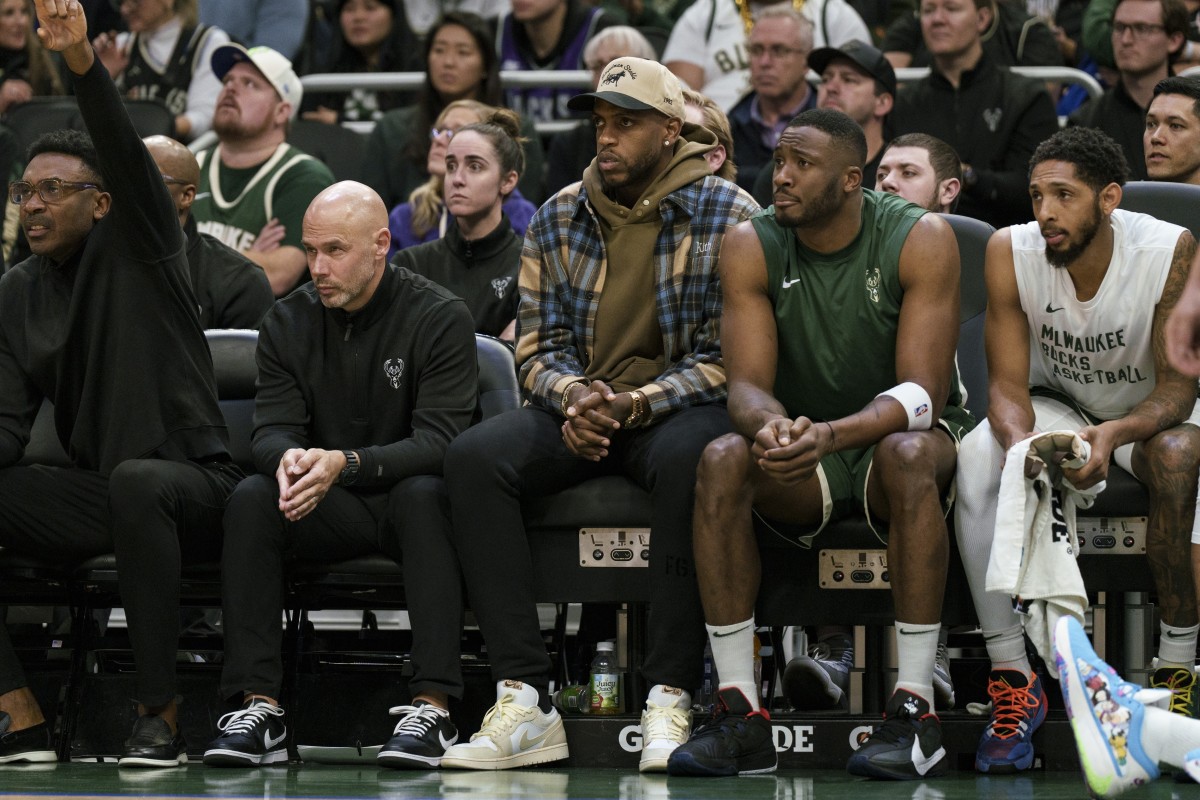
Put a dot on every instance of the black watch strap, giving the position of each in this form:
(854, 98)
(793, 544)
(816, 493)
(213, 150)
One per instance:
(349, 473)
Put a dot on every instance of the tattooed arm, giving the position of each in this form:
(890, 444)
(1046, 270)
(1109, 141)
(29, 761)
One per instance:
(1174, 394)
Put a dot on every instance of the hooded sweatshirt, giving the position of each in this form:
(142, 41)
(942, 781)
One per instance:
(628, 343)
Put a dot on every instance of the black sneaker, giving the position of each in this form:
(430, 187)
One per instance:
(735, 741)
(907, 746)
(251, 736)
(420, 738)
(153, 745)
(819, 680)
(30, 745)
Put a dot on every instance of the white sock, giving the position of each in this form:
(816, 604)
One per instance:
(665, 696)
(916, 648)
(1006, 649)
(1177, 646)
(1168, 737)
(733, 655)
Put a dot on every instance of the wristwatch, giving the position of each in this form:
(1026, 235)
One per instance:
(349, 472)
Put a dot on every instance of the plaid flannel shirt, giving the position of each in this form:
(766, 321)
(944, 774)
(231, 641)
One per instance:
(563, 266)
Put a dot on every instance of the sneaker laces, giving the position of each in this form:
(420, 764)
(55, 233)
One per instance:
(499, 718)
(821, 651)
(663, 723)
(416, 720)
(1182, 683)
(244, 720)
(942, 658)
(1011, 708)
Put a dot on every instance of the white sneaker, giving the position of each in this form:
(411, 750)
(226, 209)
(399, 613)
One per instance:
(666, 722)
(515, 733)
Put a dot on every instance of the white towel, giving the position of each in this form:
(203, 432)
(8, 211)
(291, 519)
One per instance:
(1034, 548)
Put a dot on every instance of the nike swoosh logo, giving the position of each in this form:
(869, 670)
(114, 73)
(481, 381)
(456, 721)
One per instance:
(527, 742)
(1174, 635)
(920, 762)
(1051, 309)
(787, 283)
(446, 742)
(272, 742)
(720, 635)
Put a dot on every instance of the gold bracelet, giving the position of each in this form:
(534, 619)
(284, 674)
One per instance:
(566, 395)
(635, 413)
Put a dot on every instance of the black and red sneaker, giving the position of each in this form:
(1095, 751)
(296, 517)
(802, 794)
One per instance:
(735, 741)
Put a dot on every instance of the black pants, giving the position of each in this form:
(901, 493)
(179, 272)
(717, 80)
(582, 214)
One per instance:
(156, 515)
(409, 523)
(491, 466)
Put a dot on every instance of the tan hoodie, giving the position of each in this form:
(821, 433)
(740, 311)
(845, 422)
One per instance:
(628, 345)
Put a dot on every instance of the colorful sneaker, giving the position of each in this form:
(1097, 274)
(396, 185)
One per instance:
(153, 745)
(515, 733)
(820, 679)
(665, 726)
(29, 745)
(1018, 709)
(420, 738)
(907, 746)
(1182, 683)
(1191, 765)
(254, 735)
(943, 685)
(1106, 716)
(737, 740)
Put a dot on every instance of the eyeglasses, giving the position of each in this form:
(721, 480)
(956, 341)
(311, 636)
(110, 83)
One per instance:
(1138, 29)
(51, 190)
(777, 51)
(436, 132)
(169, 181)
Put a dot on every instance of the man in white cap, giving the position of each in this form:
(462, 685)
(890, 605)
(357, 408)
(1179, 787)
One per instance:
(254, 187)
(619, 357)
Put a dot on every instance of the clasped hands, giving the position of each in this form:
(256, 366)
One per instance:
(594, 411)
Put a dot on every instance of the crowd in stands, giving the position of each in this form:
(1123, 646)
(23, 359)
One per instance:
(670, 269)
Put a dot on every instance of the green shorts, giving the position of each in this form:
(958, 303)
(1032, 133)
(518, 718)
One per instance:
(844, 476)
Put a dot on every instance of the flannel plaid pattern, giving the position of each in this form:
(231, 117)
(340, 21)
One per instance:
(563, 266)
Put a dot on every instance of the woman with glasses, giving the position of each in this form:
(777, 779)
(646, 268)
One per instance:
(166, 57)
(460, 61)
(479, 255)
(426, 216)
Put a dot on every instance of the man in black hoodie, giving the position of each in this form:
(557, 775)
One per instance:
(101, 321)
(364, 377)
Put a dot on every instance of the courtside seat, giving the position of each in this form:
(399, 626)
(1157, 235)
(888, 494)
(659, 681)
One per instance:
(1173, 202)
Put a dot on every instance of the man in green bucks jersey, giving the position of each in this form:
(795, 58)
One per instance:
(839, 328)
(254, 187)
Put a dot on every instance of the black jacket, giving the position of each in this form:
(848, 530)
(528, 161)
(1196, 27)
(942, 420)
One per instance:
(482, 272)
(995, 120)
(1118, 115)
(111, 335)
(396, 381)
(231, 290)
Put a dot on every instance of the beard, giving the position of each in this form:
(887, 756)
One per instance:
(231, 127)
(1067, 256)
(814, 209)
(636, 171)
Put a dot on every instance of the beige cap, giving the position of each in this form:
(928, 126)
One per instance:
(273, 65)
(636, 84)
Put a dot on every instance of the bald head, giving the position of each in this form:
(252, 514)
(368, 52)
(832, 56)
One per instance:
(346, 239)
(353, 203)
(179, 169)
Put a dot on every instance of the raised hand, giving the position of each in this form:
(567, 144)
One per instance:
(61, 24)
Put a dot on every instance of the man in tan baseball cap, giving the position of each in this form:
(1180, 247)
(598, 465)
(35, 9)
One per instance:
(619, 355)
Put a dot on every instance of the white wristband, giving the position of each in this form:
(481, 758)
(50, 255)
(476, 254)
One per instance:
(916, 403)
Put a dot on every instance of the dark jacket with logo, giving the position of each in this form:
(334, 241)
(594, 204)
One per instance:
(483, 272)
(395, 381)
(994, 120)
